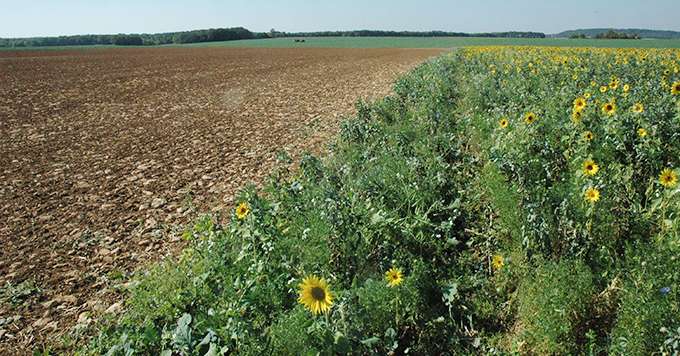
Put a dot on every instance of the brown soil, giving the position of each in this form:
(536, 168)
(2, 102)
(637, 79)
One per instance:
(106, 153)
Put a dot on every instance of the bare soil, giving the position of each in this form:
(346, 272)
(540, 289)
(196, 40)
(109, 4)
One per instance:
(104, 154)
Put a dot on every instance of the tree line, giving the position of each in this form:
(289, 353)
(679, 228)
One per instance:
(608, 35)
(230, 34)
(617, 35)
(209, 35)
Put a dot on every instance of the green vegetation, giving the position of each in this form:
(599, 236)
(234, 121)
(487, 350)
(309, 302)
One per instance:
(553, 302)
(213, 34)
(613, 35)
(501, 201)
(437, 42)
(643, 33)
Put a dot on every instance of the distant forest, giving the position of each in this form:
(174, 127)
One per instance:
(210, 35)
(230, 34)
(608, 33)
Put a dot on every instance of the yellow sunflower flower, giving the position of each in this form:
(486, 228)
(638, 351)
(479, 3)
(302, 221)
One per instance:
(668, 178)
(609, 108)
(503, 123)
(590, 168)
(579, 103)
(529, 118)
(642, 132)
(394, 277)
(638, 108)
(588, 135)
(603, 89)
(242, 210)
(675, 88)
(497, 262)
(315, 295)
(592, 195)
(576, 116)
(626, 88)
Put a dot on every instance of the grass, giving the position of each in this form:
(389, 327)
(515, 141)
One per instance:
(402, 42)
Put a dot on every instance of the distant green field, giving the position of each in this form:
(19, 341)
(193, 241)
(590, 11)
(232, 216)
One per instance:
(404, 42)
(437, 42)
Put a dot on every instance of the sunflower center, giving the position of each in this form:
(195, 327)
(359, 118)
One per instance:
(318, 294)
(589, 167)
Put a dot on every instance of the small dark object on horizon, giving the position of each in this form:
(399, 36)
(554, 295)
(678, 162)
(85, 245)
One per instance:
(299, 40)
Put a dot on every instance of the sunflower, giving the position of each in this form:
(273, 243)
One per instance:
(638, 108)
(588, 135)
(497, 262)
(586, 95)
(609, 108)
(626, 88)
(613, 84)
(675, 88)
(315, 295)
(592, 195)
(603, 89)
(668, 178)
(579, 103)
(642, 132)
(576, 116)
(503, 123)
(529, 118)
(242, 210)
(590, 168)
(394, 277)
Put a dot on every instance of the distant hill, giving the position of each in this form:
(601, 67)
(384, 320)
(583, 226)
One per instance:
(644, 33)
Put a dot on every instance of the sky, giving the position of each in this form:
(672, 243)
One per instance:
(69, 17)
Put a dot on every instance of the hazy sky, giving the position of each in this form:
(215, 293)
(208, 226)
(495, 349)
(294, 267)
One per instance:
(21, 18)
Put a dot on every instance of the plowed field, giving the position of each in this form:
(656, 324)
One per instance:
(106, 153)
